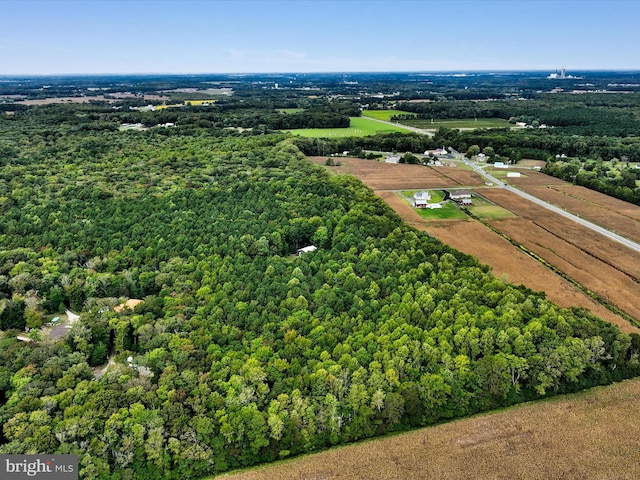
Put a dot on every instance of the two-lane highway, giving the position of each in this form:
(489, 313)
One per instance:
(581, 221)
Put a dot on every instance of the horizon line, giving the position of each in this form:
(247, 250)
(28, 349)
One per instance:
(334, 72)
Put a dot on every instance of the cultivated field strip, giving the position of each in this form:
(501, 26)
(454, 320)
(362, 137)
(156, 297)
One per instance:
(385, 176)
(602, 266)
(620, 217)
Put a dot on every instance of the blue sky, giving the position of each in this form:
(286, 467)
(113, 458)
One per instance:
(218, 36)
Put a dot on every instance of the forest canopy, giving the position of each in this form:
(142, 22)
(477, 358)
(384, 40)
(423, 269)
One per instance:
(242, 352)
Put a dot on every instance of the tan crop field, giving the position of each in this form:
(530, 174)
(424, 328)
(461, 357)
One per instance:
(600, 265)
(385, 176)
(611, 213)
(585, 436)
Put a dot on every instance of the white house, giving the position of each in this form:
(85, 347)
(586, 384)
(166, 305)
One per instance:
(442, 151)
(421, 198)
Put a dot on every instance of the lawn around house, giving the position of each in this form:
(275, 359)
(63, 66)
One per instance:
(449, 210)
(359, 127)
(290, 110)
(437, 196)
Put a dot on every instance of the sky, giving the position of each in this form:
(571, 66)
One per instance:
(264, 36)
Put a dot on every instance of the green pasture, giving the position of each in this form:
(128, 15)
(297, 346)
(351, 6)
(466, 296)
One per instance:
(360, 127)
(489, 211)
(448, 211)
(384, 114)
(483, 208)
(426, 124)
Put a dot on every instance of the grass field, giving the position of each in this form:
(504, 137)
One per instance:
(290, 110)
(360, 127)
(482, 208)
(199, 102)
(458, 123)
(447, 212)
(384, 114)
(489, 211)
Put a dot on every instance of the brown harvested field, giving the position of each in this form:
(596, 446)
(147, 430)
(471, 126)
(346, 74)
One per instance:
(611, 213)
(584, 436)
(603, 266)
(533, 177)
(463, 177)
(473, 238)
(387, 176)
(528, 163)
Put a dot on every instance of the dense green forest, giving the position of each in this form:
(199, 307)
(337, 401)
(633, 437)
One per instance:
(242, 352)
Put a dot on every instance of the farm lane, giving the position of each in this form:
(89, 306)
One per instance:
(429, 133)
(585, 223)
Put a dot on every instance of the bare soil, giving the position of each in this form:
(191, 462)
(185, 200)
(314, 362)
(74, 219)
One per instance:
(584, 436)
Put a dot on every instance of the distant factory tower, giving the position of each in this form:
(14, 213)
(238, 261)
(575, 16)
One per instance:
(561, 75)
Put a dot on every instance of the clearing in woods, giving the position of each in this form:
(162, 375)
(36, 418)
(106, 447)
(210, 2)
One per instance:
(359, 127)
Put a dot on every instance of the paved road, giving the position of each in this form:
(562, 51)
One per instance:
(585, 223)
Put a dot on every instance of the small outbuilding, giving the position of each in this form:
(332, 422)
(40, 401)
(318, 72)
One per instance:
(310, 248)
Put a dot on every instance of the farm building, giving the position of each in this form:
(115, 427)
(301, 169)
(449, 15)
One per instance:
(392, 159)
(421, 198)
(130, 304)
(513, 174)
(465, 202)
(457, 195)
(310, 248)
(500, 165)
(439, 152)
